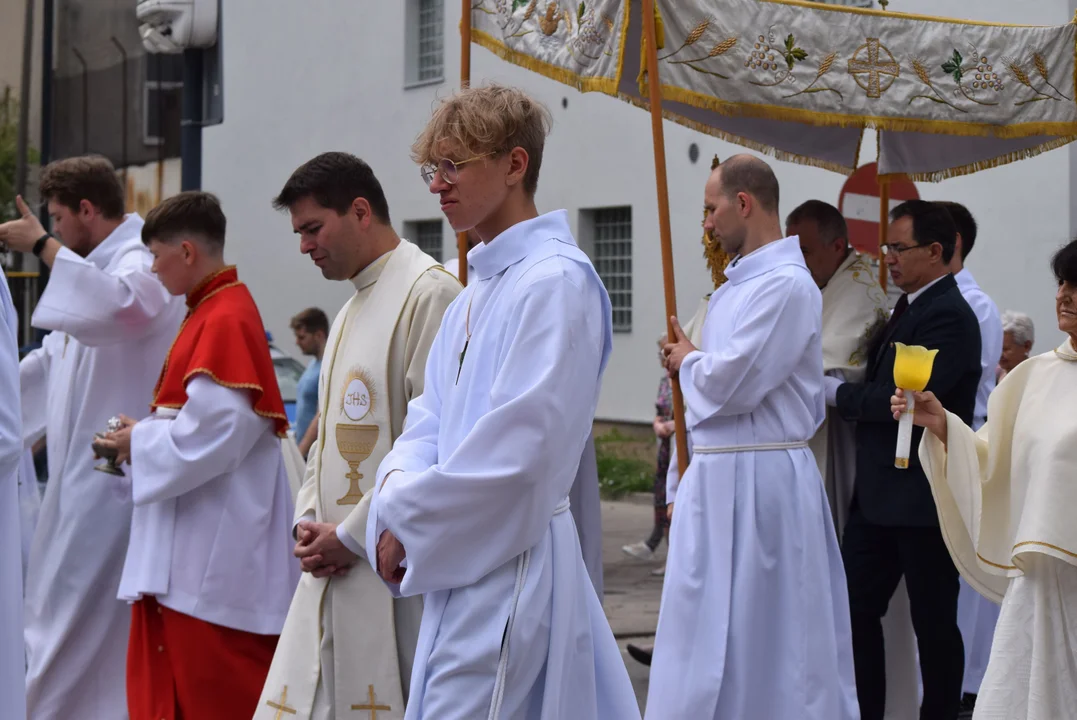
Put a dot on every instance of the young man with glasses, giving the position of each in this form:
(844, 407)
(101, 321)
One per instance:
(346, 641)
(893, 528)
(470, 507)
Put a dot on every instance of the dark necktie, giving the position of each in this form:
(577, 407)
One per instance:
(888, 329)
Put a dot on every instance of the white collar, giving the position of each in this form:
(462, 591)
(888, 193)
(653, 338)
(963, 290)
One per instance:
(921, 291)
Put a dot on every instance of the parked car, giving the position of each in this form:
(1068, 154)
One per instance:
(288, 370)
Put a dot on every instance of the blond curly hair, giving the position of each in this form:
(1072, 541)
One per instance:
(491, 119)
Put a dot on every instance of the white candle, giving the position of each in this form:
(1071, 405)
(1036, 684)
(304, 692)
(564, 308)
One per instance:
(904, 439)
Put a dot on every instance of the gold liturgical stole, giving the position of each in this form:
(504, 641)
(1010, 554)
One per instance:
(356, 433)
(355, 427)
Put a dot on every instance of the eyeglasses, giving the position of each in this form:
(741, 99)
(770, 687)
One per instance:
(901, 249)
(448, 169)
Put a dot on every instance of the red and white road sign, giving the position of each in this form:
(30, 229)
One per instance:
(859, 203)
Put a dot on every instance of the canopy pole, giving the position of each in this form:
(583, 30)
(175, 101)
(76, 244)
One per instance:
(465, 81)
(884, 225)
(655, 96)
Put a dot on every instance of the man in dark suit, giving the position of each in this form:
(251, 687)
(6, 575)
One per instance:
(893, 528)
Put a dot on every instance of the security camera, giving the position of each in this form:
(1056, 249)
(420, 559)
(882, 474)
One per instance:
(171, 26)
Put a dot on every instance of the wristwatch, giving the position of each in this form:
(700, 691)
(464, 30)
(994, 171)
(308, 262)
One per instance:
(40, 244)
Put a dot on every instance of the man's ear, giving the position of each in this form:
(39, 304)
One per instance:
(518, 164)
(361, 210)
(86, 209)
(745, 203)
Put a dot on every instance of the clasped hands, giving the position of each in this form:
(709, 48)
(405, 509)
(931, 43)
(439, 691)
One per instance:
(322, 554)
(120, 440)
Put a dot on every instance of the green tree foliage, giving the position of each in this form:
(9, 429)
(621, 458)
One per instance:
(9, 135)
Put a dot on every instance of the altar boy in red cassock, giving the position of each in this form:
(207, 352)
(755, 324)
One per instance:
(209, 567)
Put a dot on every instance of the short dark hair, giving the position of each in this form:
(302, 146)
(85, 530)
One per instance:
(747, 174)
(1064, 263)
(334, 180)
(87, 177)
(966, 225)
(931, 223)
(312, 320)
(828, 218)
(189, 213)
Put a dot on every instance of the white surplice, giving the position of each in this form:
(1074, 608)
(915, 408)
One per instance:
(584, 497)
(754, 620)
(976, 615)
(212, 513)
(12, 655)
(1005, 497)
(512, 626)
(29, 505)
(112, 324)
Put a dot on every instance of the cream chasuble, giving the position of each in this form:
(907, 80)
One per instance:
(376, 361)
(854, 308)
(1005, 498)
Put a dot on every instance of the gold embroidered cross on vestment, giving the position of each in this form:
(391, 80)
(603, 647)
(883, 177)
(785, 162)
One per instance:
(282, 706)
(370, 704)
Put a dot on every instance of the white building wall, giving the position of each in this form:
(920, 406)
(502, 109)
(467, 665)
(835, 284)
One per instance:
(305, 78)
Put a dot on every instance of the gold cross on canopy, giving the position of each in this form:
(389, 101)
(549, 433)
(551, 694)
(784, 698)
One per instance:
(282, 706)
(874, 68)
(370, 704)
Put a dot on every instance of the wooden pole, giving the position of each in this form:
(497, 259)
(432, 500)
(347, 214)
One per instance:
(655, 96)
(465, 81)
(884, 225)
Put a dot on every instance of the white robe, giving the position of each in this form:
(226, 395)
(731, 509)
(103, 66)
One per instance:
(12, 655)
(511, 627)
(754, 620)
(212, 513)
(113, 323)
(29, 505)
(584, 496)
(976, 615)
(1005, 497)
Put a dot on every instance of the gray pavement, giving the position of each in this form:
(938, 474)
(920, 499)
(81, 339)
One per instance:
(632, 593)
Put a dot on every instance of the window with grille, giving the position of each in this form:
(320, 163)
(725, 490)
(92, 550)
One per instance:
(611, 252)
(425, 41)
(427, 234)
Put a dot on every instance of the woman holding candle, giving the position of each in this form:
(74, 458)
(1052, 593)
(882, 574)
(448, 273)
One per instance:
(1005, 499)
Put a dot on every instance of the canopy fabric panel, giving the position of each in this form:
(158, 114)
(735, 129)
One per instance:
(801, 81)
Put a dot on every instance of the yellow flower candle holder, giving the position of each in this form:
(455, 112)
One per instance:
(912, 371)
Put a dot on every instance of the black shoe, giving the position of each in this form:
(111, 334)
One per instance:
(968, 704)
(640, 655)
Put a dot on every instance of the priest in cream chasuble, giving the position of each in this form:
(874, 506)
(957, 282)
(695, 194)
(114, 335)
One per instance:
(347, 644)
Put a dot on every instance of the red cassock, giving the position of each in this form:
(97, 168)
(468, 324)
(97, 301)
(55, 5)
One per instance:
(180, 667)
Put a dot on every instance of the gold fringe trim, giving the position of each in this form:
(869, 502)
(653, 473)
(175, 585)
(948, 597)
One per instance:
(759, 147)
(207, 280)
(900, 15)
(1016, 156)
(604, 85)
(893, 124)
(236, 386)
